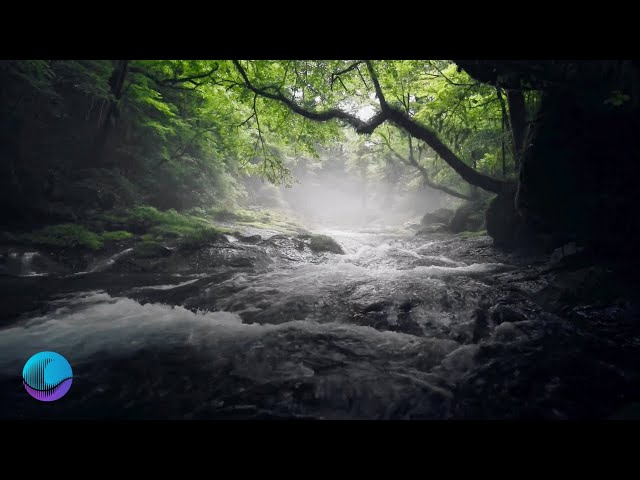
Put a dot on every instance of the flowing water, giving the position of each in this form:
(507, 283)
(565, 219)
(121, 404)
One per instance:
(399, 327)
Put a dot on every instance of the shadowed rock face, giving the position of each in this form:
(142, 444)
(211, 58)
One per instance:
(578, 182)
(579, 179)
(580, 167)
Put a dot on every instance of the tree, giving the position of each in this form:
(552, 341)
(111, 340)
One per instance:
(321, 77)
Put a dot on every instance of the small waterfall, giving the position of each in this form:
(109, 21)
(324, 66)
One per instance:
(107, 262)
(21, 263)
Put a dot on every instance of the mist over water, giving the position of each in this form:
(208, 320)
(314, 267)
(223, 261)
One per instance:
(335, 196)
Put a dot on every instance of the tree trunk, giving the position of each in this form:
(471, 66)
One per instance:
(503, 109)
(117, 87)
(518, 119)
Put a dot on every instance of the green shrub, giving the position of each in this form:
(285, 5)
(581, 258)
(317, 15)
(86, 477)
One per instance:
(65, 235)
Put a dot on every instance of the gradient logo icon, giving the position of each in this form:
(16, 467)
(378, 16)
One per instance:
(47, 376)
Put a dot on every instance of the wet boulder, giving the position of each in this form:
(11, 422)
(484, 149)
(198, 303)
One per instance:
(500, 314)
(252, 239)
(481, 327)
(568, 250)
(433, 228)
(468, 217)
(324, 243)
(593, 285)
(439, 216)
(507, 332)
(151, 249)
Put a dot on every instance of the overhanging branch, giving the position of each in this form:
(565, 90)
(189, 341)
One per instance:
(411, 161)
(320, 116)
(386, 113)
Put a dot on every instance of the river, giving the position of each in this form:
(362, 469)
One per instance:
(398, 327)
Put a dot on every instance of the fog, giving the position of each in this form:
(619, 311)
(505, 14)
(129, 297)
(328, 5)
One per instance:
(328, 192)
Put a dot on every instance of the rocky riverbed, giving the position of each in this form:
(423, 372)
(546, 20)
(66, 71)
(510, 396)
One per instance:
(375, 324)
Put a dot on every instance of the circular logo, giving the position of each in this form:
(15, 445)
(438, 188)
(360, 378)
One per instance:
(47, 376)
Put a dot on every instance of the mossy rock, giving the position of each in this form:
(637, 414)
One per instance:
(324, 243)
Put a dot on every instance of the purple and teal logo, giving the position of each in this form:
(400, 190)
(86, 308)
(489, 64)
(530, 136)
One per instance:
(47, 376)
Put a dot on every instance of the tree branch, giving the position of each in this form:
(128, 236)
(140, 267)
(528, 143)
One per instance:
(336, 75)
(175, 81)
(387, 113)
(376, 85)
(411, 161)
(448, 79)
(321, 116)
(416, 130)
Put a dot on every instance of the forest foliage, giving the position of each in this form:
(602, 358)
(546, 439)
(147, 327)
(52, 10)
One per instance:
(101, 134)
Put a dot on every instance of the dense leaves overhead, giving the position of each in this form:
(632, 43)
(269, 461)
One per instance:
(193, 127)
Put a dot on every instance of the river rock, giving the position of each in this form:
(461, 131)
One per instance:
(253, 239)
(481, 329)
(433, 228)
(151, 250)
(324, 243)
(500, 314)
(468, 217)
(564, 251)
(441, 215)
(507, 332)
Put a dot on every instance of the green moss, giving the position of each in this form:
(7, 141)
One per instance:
(324, 243)
(479, 233)
(65, 235)
(115, 236)
(238, 215)
(201, 237)
(156, 225)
